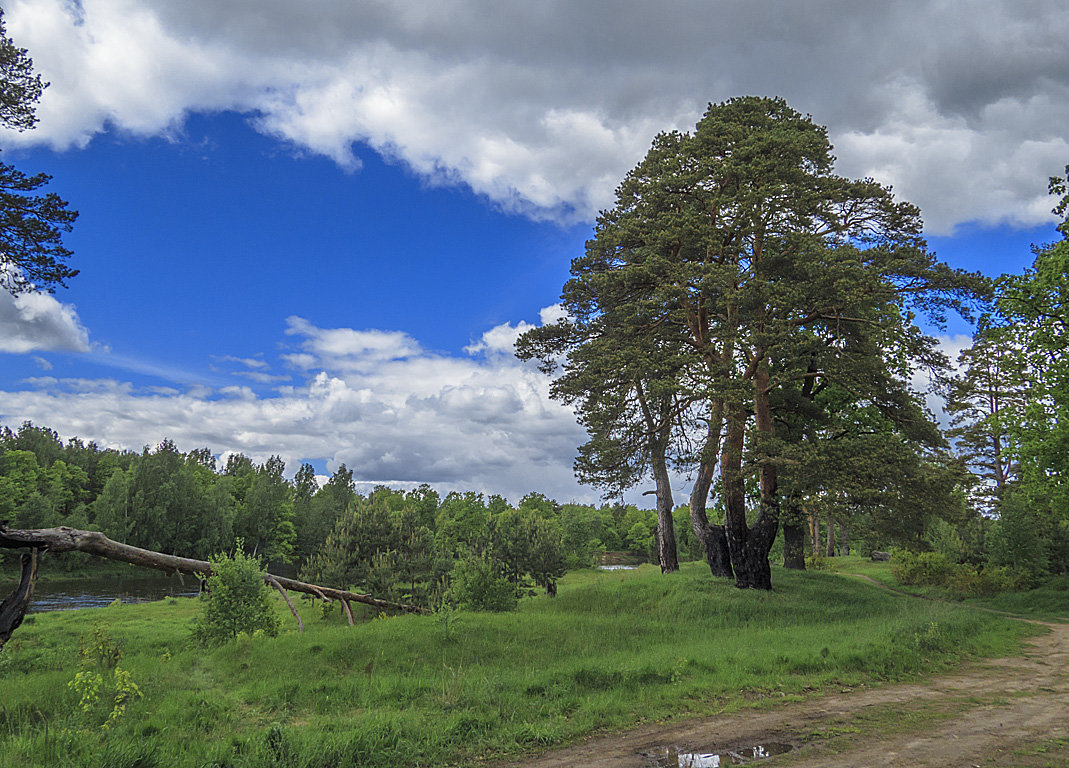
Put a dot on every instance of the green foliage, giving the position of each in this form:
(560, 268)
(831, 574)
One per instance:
(237, 601)
(1018, 539)
(476, 584)
(817, 562)
(961, 543)
(639, 528)
(264, 516)
(98, 649)
(174, 505)
(544, 559)
(586, 532)
(98, 659)
(461, 523)
(1033, 311)
(687, 544)
(934, 569)
(930, 568)
(738, 282)
(348, 555)
(32, 225)
(984, 402)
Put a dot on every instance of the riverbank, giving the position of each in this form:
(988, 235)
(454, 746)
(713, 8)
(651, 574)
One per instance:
(612, 650)
(66, 566)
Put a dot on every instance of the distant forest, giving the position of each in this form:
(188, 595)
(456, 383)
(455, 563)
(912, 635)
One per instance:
(390, 542)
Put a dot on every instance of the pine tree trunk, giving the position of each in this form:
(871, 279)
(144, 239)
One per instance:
(666, 535)
(733, 490)
(712, 537)
(749, 545)
(793, 535)
(793, 547)
(829, 548)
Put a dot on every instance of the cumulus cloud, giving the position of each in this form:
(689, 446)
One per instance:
(501, 339)
(543, 107)
(37, 322)
(373, 400)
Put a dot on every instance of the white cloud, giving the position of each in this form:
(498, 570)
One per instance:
(348, 348)
(248, 362)
(37, 322)
(499, 340)
(374, 400)
(543, 107)
(552, 314)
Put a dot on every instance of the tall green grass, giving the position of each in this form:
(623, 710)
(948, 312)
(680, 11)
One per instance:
(612, 650)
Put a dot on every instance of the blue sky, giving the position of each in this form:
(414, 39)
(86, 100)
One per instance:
(318, 235)
(201, 245)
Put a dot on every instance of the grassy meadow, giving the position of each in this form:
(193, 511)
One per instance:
(612, 650)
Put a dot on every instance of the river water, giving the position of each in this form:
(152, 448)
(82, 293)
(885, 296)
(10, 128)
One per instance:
(57, 595)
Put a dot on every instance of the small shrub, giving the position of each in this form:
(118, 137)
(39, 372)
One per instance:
(238, 601)
(126, 690)
(817, 563)
(88, 685)
(476, 585)
(98, 648)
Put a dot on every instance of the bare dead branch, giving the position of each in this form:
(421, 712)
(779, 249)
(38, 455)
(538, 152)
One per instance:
(285, 596)
(65, 539)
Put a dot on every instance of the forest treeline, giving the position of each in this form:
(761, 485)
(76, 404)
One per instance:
(391, 543)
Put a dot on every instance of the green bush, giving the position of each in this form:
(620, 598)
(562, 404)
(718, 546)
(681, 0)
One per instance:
(921, 568)
(476, 584)
(817, 562)
(934, 569)
(237, 601)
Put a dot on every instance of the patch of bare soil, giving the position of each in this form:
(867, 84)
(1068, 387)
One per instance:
(1001, 712)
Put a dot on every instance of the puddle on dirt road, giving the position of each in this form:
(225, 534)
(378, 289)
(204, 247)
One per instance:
(674, 757)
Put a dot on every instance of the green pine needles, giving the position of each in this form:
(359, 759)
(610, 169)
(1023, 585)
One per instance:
(237, 600)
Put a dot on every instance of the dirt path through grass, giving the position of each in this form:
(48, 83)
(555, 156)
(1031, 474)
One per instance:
(999, 712)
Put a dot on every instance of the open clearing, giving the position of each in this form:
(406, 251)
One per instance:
(1000, 712)
(825, 663)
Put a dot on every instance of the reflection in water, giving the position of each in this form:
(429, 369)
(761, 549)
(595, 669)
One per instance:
(99, 592)
(674, 757)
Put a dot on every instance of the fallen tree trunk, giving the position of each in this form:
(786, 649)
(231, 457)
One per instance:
(94, 543)
(13, 609)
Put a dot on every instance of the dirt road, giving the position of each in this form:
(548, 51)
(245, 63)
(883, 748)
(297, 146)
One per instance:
(1002, 712)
